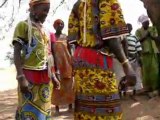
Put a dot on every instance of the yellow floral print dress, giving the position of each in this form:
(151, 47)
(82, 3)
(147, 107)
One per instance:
(90, 24)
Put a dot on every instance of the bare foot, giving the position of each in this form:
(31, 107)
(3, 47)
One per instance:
(70, 108)
(57, 113)
(133, 97)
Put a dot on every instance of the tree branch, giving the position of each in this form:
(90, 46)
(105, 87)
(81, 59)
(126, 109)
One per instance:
(3, 3)
(19, 3)
(61, 3)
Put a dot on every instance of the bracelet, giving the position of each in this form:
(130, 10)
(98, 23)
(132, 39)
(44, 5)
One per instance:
(126, 61)
(20, 76)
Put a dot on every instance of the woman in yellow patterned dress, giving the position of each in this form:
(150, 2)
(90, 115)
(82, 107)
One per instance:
(95, 27)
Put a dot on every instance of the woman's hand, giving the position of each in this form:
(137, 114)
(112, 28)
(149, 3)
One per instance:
(23, 84)
(130, 74)
(131, 80)
(56, 82)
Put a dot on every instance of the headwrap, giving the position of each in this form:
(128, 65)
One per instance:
(143, 18)
(57, 22)
(35, 2)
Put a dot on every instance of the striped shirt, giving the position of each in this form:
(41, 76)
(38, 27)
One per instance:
(134, 47)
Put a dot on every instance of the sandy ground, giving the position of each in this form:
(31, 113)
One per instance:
(142, 109)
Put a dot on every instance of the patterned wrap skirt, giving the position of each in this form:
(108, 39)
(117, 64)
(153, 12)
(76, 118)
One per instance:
(97, 95)
(35, 105)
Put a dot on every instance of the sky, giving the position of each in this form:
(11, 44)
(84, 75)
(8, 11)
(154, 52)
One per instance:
(132, 9)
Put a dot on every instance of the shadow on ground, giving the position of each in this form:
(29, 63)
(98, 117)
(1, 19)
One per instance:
(142, 109)
(8, 104)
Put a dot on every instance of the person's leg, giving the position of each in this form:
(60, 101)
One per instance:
(134, 91)
(57, 109)
(146, 73)
(153, 75)
(70, 107)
